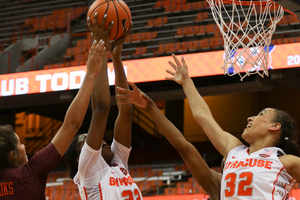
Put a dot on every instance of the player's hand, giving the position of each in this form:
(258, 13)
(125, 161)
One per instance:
(99, 32)
(117, 45)
(135, 96)
(95, 58)
(181, 71)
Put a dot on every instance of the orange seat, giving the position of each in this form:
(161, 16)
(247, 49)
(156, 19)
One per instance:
(161, 48)
(142, 36)
(81, 57)
(181, 167)
(153, 34)
(135, 37)
(170, 191)
(201, 16)
(150, 35)
(196, 44)
(140, 50)
(129, 38)
(286, 40)
(184, 46)
(183, 185)
(279, 41)
(179, 8)
(273, 42)
(77, 63)
(160, 21)
(51, 24)
(192, 30)
(180, 32)
(169, 9)
(60, 23)
(211, 28)
(283, 21)
(173, 47)
(181, 191)
(158, 4)
(42, 26)
(82, 43)
(201, 30)
(179, 2)
(218, 42)
(190, 45)
(198, 189)
(188, 7)
(150, 23)
(293, 19)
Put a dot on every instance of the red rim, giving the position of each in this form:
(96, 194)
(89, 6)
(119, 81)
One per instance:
(248, 3)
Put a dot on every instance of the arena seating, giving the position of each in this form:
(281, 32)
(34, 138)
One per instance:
(160, 28)
(182, 26)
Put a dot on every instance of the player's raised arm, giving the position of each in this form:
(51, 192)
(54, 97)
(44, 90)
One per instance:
(76, 112)
(223, 141)
(101, 93)
(122, 129)
(207, 178)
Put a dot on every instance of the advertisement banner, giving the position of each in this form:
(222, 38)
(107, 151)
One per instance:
(142, 70)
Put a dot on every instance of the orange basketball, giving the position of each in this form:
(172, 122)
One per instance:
(116, 10)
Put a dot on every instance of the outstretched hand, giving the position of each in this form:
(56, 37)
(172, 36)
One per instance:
(99, 32)
(135, 96)
(95, 58)
(181, 71)
(117, 45)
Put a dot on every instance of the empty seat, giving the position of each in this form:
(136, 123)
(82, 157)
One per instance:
(181, 191)
(83, 43)
(170, 191)
(201, 16)
(180, 32)
(183, 185)
(140, 50)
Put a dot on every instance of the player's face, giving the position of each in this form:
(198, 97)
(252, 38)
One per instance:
(22, 158)
(107, 154)
(258, 126)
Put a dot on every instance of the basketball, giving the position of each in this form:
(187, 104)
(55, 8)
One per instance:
(116, 10)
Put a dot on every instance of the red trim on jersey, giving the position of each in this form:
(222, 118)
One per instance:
(286, 193)
(85, 193)
(275, 182)
(101, 198)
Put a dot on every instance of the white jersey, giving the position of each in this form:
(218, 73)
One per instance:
(258, 176)
(96, 180)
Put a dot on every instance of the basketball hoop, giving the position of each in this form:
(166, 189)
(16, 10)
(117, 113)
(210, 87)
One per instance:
(247, 29)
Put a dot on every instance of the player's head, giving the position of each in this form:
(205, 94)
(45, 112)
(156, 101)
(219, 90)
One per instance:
(12, 151)
(73, 152)
(273, 125)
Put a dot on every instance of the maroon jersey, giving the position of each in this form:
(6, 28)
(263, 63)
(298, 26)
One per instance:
(29, 182)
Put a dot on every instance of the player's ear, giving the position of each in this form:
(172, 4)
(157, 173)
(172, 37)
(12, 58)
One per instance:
(12, 156)
(275, 127)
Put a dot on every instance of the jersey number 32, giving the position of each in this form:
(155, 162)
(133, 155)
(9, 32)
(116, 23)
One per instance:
(131, 195)
(243, 188)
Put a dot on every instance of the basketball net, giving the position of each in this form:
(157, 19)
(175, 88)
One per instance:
(247, 31)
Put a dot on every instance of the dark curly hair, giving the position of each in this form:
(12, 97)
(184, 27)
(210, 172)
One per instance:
(71, 156)
(8, 143)
(288, 140)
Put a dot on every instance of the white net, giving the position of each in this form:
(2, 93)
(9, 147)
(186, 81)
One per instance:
(247, 31)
